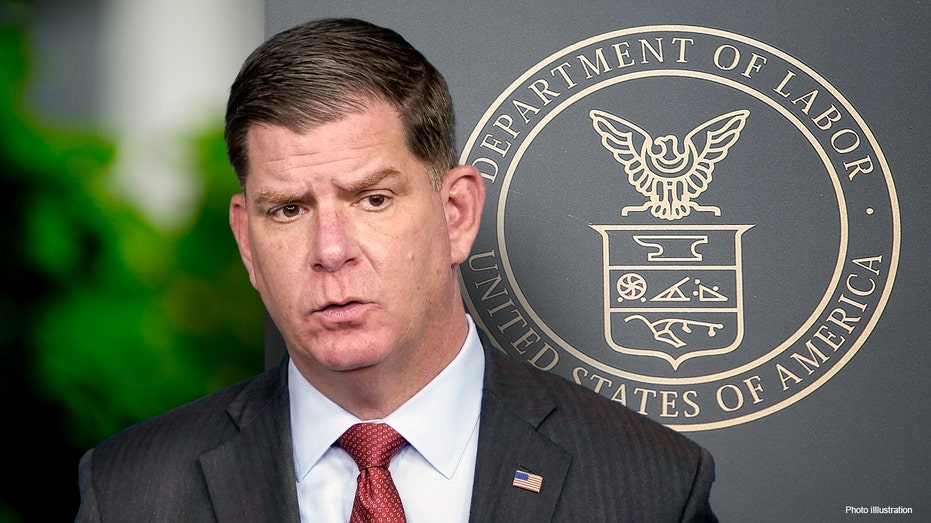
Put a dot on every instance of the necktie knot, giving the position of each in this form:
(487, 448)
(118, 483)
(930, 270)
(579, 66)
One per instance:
(371, 444)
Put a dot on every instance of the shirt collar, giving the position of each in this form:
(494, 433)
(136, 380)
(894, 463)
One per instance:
(437, 421)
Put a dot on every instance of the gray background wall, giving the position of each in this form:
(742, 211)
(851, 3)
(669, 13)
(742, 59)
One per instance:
(861, 438)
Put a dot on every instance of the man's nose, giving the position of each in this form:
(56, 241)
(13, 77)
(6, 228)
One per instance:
(333, 244)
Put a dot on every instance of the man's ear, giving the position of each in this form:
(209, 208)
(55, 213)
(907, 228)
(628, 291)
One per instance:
(239, 223)
(465, 195)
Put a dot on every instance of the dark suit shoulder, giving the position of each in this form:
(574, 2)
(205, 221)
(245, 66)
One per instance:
(622, 465)
(577, 409)
(171, 441)
(200, 461)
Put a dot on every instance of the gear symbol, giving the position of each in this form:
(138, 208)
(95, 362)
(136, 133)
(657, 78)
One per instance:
(631, 286)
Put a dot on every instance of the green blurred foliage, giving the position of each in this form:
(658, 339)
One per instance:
(147, 319)
(104, 318)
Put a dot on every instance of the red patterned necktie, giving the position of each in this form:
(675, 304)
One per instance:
(372, 445)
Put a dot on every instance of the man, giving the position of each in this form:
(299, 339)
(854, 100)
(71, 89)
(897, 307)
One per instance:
(352, 221)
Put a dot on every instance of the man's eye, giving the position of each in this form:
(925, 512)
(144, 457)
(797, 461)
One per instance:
(289, 211)
(376, 200)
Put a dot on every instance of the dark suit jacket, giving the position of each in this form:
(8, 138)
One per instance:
(227, 457)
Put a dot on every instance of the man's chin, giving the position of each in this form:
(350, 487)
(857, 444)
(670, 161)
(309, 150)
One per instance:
(346, 351)
(356, 360)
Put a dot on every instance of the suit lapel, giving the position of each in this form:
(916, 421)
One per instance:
(251, 476)
(513, 407)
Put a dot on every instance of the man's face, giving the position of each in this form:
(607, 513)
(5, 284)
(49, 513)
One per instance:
(351, 249)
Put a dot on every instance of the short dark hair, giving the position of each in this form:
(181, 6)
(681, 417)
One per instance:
(324, 70)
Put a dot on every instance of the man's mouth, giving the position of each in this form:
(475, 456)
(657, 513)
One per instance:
(342, 311)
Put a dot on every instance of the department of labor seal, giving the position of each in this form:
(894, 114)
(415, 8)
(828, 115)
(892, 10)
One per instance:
(685, 220)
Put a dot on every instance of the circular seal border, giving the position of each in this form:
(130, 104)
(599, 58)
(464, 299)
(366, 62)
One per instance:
(895, 245)
(812, 319)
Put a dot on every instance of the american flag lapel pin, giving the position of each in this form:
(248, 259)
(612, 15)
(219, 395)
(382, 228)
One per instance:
(527, 480)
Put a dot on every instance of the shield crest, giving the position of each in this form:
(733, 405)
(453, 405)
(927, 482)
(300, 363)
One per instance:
(672, 292)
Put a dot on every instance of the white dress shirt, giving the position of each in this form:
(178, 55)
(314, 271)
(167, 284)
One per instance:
(433, 474)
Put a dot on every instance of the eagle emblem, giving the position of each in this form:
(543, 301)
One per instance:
(671, 175)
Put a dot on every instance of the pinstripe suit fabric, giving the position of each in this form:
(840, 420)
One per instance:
(227, 457)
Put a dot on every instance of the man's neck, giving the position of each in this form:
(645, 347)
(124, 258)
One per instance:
(375, 392)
